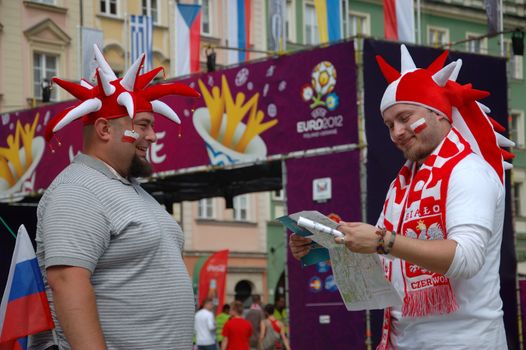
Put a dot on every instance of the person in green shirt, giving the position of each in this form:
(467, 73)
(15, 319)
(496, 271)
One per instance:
(220, 322)
(280, 312)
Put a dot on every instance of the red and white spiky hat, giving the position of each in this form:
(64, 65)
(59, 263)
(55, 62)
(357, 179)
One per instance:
(115, 98)
(435, 87)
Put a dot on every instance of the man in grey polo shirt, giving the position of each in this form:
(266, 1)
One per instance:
(111, 256)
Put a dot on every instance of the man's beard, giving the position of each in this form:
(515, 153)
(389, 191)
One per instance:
(140, 167)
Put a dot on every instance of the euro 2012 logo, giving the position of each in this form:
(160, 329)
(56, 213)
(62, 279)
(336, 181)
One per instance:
(320, 90)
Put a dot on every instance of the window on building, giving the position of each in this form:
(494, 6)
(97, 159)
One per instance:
(205, 208)
(150, 8)
(358, 24)
(278, 195)
(437, 37)
(290, 22)
(515, 63)
(476, 45)
(49, 2)
(206, 17)
(108, 7)
(518, 193)
(44, 67)
(241, 208)
(517, 128)
(312, 36)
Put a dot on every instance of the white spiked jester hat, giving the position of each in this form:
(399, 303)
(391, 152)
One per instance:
(435, 87)
(115, 98)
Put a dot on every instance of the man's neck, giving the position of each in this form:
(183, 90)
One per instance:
(113, 168)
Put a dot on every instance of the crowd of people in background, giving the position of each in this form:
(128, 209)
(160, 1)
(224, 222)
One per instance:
(238, 328)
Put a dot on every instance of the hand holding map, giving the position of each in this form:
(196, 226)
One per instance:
(360, 277)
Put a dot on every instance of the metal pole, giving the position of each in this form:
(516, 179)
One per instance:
(501, 28)
(286, 212)
(80, 58)
(127, 55)
(419, 22)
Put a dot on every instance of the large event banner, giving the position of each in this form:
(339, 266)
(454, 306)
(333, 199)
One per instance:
(247, 113)
(318, 317)
(384, 160)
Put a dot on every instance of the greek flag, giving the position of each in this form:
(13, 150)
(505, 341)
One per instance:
(141, 39)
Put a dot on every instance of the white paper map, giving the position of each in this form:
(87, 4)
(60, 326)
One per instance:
(360, 277)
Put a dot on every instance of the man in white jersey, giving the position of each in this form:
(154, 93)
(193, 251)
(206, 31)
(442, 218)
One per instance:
(440, 231)
(111, 256)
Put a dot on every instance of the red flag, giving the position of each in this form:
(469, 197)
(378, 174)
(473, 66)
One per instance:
(212, 279)
(399, 20)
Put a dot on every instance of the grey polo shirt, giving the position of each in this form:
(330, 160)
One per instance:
(92, 218)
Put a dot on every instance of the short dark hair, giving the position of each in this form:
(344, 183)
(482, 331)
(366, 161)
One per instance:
(269, 309)
(226, 308)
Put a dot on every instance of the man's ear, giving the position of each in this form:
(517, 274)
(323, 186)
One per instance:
(102, 128)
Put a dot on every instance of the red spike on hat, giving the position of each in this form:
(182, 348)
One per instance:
(75, 89)
(157, 91)
(507, 155)
(390, 73)
(438, 63)
(496, 125)
(146, 78)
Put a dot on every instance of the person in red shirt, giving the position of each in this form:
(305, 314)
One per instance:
(237, 330)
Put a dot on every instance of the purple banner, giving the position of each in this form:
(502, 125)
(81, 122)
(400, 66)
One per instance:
(248, 113)
(318, 316)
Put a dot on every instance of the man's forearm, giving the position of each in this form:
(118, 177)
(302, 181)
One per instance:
(76, 310)
(434, 255)
(224, 343)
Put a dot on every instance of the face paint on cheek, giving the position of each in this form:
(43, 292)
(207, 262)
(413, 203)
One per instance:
(130, 136)
(419, 125)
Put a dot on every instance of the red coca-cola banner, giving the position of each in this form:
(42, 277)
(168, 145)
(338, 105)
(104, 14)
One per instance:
(212, 279)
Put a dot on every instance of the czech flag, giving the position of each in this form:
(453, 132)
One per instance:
(329, 18)
(399, 20)
(24, 309)
(188, 38)
(238, 30)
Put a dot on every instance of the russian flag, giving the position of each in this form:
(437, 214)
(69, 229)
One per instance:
(24, 309)
(330, 28)
(399, 20)
(238, 30)
(188, 38)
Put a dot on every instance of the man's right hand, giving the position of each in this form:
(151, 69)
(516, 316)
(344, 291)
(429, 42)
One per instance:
(299, 246)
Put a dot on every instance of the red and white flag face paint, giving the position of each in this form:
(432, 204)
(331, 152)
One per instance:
(130, 136)
(419, 125)
(399, 20)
